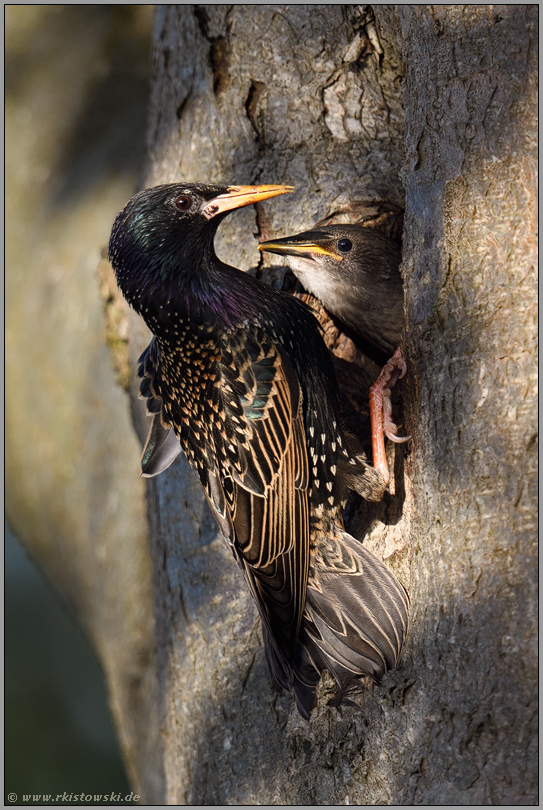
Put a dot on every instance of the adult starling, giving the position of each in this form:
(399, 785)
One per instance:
(354, 271)
(238, 376)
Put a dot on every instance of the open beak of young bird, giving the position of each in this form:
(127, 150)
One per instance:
(239, 196)
(306, 248)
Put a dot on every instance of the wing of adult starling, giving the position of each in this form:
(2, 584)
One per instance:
(162, 446)
(266, 486)
(251, 456)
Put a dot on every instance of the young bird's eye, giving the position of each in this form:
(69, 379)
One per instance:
(183, 203)
(344, 245)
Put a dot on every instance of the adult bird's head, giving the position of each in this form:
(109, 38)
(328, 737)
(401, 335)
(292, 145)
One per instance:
(354, 272)
(163, 237)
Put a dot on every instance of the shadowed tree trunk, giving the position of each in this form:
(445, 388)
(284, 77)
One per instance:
(367, 110)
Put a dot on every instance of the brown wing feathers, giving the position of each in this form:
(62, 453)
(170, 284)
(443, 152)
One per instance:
(269, 503)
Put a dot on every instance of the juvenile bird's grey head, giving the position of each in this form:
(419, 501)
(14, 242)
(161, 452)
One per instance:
(354, 272)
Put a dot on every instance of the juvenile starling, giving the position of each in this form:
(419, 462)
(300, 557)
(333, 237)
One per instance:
(354, 271)
(238, 376)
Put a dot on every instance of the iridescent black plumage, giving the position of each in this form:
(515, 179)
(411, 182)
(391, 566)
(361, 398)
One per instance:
(238, 376)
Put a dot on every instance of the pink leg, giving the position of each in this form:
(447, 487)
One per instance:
(381, 411)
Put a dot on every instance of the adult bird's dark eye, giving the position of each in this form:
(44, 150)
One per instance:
(183, 203)
(344, 245)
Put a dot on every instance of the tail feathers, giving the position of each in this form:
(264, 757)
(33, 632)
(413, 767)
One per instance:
(356, 614)
(355, 624)
(356, 618)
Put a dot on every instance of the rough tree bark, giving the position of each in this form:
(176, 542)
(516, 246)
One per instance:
(312, 95)
(369, 110)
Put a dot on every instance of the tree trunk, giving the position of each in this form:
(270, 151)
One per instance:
(311, 95)
(368, 110)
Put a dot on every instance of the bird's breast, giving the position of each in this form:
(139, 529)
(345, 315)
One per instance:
(189, 356)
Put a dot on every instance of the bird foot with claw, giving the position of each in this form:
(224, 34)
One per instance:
(381, 411)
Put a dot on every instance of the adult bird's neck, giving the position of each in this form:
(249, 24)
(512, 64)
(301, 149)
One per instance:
(204, 291)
